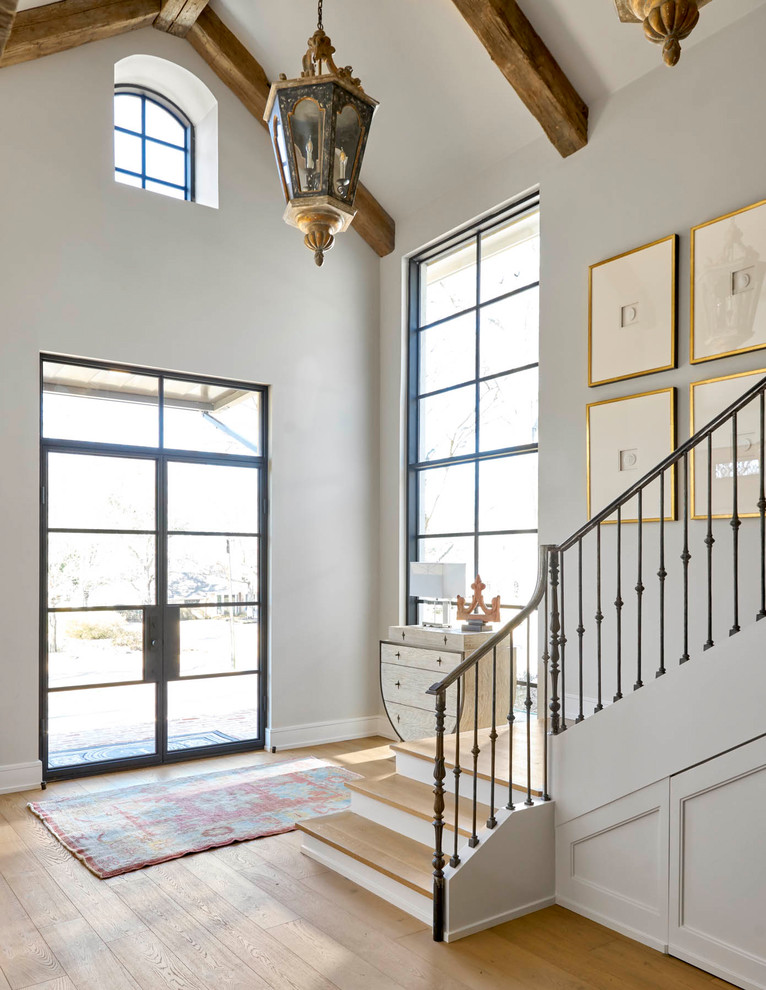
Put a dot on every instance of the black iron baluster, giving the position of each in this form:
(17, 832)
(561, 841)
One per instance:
(474, 840)
(736, 522)
(492, 821)
(555, 705)
(580, 629)
(545, 658)
(528, 705)
(762, 510)
(639, 589)
(563, 648)
(709, 541)
(455, 858)
(511, 719)
(599, 620)
(685, 558)
(439, 857)
(662, 574)
(618, 603)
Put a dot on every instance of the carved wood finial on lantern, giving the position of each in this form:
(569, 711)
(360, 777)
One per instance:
(666, 22)
(477, 609)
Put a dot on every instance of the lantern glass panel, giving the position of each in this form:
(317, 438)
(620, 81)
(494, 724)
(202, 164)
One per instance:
(348, 136)
(307, 130)
(280, 150)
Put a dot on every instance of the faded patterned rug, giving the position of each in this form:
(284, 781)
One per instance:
(116, 831)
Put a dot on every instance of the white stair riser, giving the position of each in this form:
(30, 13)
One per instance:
(401, 896)
(403, 822)
(423, 771)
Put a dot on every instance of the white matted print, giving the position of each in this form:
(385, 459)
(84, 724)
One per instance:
(708, 399)
(626, 439)
(632, 313)
(729, 284)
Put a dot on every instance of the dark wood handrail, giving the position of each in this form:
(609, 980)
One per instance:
(473, 658)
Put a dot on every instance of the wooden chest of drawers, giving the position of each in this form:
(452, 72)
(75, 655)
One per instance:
(414, 657)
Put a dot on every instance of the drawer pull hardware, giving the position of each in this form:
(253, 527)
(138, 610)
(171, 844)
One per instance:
(402, 637)
(397, 655)
(445, 640)
(398, 684)
(398, 718)
(439, 661)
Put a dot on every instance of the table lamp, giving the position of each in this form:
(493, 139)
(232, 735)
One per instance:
(439, 584)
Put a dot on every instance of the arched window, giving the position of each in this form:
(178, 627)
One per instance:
(153, 143)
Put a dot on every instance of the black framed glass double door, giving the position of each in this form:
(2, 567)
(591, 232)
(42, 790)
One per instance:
(152, 636)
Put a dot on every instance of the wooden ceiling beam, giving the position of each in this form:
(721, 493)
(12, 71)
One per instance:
(521, 55)
(178, 16)
(7, 14)
(246, 78)
(57, 27)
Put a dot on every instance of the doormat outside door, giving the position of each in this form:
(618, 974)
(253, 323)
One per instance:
(117, 831)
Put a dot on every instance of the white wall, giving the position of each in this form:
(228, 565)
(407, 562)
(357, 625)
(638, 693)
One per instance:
(674, 149)
(101, 270)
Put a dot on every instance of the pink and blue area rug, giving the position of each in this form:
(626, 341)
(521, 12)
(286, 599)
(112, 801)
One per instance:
(116, 831)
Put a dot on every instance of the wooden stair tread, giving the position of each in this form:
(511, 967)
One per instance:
(425, 749)
(380, 848)
(417, 798)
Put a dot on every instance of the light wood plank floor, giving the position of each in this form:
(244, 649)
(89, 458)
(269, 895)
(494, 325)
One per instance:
(261, 916)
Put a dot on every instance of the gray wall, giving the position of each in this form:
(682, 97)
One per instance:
(672, 150)
(100, 270)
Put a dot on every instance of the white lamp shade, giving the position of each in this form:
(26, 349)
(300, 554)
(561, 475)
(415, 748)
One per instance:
(437, 580)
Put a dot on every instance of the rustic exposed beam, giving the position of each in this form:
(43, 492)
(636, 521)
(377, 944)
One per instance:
(59, 26)
(520, 54)
(178, 16)
(7, 14)
(245, 77)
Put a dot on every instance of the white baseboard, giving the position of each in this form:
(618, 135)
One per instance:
(616, 926)
(316, 733)
(20, 777)
(708, 966)
(499, 919)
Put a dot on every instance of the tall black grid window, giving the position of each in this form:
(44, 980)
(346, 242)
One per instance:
(153, 141)
(473, 403)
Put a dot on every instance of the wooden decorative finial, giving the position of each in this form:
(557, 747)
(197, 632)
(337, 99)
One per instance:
(477, 609)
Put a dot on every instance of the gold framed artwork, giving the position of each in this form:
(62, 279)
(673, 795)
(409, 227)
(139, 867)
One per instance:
(632, 313)
(626, 438)
(707, 399)
(728, 284)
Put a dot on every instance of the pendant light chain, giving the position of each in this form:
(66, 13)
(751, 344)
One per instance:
(320, 26)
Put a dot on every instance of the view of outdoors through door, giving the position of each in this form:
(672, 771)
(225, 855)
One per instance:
(153, 549)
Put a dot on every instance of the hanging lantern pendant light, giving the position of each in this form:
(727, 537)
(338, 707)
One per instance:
(319, 124)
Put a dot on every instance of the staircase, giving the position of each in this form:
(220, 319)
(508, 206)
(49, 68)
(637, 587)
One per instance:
(459, 829)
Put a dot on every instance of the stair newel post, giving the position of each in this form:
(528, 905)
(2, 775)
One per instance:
(685, 558)
(562, 648)
(511, 720)
(580, 632)
(618, 603)
(474, 840)
(555, 704)
(662, 574)
(492, 821)
(736, 522)
(545, 658)
(599, 620)
(639, 590)
(439, 857)
(762, 506)
(709, 541)
(528, 706)
(455, 859)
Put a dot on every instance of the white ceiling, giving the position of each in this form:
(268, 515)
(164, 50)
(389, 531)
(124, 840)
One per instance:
(446, 112)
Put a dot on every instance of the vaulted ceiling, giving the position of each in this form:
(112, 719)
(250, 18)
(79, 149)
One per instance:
(447, 113)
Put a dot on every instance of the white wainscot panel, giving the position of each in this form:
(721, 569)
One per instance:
(718, 866)
(612, 865)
